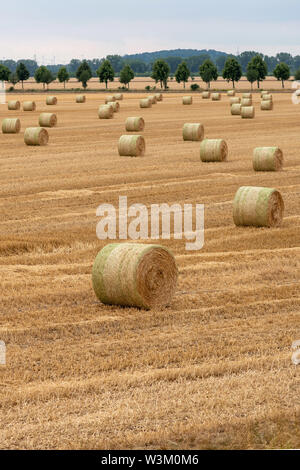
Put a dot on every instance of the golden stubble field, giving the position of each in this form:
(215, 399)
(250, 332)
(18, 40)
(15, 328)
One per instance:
(214, 369)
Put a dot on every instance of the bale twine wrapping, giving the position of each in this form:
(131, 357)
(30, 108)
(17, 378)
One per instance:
(47, 120)
(236, 109)
(235, 100)
(131, 146)
(266, 105)
(36, 136)
(267, 97)
(193, 131)
(206, 95)
(135, 275)
(29, 106)
(153, 99)
(134, 124)
(247, 112)
(14, 105)
(118, 96)
(115, 105)
(267, 159)
(158, 96)
(145, 103)
(80, 99)
(247, 95)
(231, 93)
(51, 100)
(11, 126)
(110, 98)
(246, 101)
(187, 100)
(258, 207)
(106, 111)
(216, 96)
(213, 150)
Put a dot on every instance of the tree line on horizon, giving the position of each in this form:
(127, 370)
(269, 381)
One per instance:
(231, 68)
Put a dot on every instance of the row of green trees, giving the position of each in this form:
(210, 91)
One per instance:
(256, 71)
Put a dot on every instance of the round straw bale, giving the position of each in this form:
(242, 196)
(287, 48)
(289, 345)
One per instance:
(236, 109)
(135, 275)
(134, 124)
(230, 92)
(153, 99)
(51, 100)
(216, 96)
(187, 100)
(247, 112)
(11, 126)
(193, 131)
(267, 159)
(13, 105)
(106, 111)
(259, 207)
(29, 106)
(247, 95)
(246, 101)
(110, 98)
(235, 100)
(115, 105)
(267, 97)
(266, 105)
(80, 99)
(213, 150)
(145, 103)
(205, 95)
(158, 96)
(118, 96)
(264, 92)
(36, 136)
(47, 120)
(131, 146)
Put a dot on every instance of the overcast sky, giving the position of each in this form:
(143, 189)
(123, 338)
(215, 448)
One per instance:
(94, 28)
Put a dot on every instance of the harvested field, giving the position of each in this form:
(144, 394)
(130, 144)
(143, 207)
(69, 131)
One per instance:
(212, 370)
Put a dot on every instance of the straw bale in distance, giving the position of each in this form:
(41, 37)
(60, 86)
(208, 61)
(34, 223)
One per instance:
(118, 96)
(110, 98)
(136, 124)
(13, 105)
(29, 106)
(236, 109)
(206, 95)
(115, 105)
(247, 112)
(193, 131)
(135, 275)
(36, 136)
(267, 97)
(246, 101)
(80, 99)
(106, 111)
(216, 96)
(47, 120)
(267, 159)
(11, 126)
(213, 150)
(153, 99)
(51, 100)
(235, 100)
(158, 96)
(231, 93)
(187, 100)
(145, 103)
(131, 146)
(266, 105)
(247, 95)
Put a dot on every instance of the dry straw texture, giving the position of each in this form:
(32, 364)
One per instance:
(80, 99)
(134, 124)
(267, 159)
(36, 136)
(51, 100)
(115, 105)
(158, 96)
(230, 92)
(247, 112)
(153, 99)
(267, 97)
(206, 95)
(235, 100)
(118, 96)
(13, 105)
(193, 131)
(216, 96)
(110, 98)
(213, 150)
(135, 275)
(48, 120)
(29, 106)
(246, 102)
(106, 111)
(187, 100)
(132, 146)
(11, 126)
(258, 207)
(145, 103)
(236, 109)
(266, 105)
(247, 95)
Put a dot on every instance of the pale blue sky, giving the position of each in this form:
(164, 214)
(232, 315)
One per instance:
(91, 28)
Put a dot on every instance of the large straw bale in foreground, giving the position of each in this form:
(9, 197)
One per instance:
(266, 105)
(118, 96)
(216, 96)
(187, 100)
(258, 207)
(11, 126)
(145, 103)
(206, 95)
(247, 112)
(13, 105)
(36, 136)
(193, 131)
(235, 100)
(106, 111)
(131, 146)
(134, 124)
(29, 106)
(51, 100)
(236, 109)
(135, 275)
(80, 99)
(231, 93)
(47, 120)
(267, 159)
(158, 96)
(213, 150)
(246, 101)
(110, 98)
(115, 105)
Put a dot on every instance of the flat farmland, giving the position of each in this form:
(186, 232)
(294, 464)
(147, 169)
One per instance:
(212, 370)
